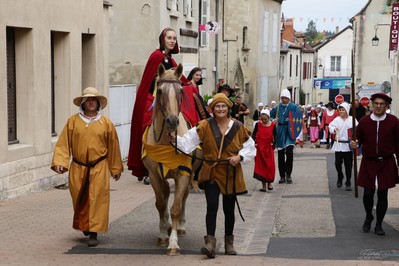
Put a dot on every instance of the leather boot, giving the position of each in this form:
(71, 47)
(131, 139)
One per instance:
(209, 248)
(228, 245)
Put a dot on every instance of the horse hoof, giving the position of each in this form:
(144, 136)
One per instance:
(173, 251)
(163, 242)
(181, 232)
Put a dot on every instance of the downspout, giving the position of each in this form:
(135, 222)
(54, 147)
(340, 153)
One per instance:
(216, 46)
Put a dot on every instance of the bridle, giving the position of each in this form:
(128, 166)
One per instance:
(161, 81)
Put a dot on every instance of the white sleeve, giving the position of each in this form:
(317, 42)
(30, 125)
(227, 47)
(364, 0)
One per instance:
(189, 141)
(332, 126)
(248, 151)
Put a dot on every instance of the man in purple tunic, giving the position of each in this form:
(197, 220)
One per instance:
(378, 134)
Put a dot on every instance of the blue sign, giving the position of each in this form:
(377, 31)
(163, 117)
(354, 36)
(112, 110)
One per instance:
(332, 83)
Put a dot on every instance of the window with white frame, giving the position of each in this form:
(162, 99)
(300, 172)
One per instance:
(172, 4)
(187, 8)
(204, 19)
(335, 63)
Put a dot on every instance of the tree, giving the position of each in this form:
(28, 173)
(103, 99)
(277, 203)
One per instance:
(311, 31)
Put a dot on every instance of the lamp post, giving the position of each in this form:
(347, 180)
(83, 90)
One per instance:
(375, 39)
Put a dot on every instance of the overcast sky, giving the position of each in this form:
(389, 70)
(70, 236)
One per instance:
(326, 13)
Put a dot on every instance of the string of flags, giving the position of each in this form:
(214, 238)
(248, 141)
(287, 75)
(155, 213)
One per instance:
(340, 19)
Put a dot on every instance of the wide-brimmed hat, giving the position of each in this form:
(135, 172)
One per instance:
(90, 92)
(382, 96)
(226, 87)
(220, 97)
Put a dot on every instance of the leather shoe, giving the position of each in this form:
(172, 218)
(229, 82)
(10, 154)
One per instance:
(289, 180)
(378, 230)
(282, 180)
(367, 224)
(339, 183)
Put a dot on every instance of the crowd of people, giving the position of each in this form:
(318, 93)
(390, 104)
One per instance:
(88, 146)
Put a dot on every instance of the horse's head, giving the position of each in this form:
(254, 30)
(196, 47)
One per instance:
(169, 96)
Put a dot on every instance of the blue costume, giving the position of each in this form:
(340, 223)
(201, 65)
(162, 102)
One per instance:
(285, 143)
(283, 133)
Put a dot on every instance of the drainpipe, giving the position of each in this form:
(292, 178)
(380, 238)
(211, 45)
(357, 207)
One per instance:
(216, 46)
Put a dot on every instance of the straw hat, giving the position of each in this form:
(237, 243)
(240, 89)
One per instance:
(90, 92)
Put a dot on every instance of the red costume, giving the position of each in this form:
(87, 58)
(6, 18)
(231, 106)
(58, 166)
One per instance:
(188, 106)
(142, 112)
(379, 145)
(265, 167)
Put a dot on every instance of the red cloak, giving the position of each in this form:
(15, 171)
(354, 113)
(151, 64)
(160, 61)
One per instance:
(141, 114)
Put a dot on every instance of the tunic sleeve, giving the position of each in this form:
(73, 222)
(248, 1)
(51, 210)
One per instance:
(62, 154)
(189, 141)
(114, 154)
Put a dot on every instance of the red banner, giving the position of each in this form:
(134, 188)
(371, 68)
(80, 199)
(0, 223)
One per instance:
(393, 38)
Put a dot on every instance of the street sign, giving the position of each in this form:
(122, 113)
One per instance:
(339, 99)
(364, 101)
(366, 90)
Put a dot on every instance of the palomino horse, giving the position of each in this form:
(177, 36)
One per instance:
(163, 162)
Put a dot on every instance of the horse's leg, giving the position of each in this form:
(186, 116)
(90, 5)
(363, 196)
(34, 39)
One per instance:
(161, 203)
(181, 186)
(181, 230)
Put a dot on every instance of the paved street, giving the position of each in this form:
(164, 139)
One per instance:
(310, 222)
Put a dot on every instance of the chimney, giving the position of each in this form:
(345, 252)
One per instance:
(336, 29)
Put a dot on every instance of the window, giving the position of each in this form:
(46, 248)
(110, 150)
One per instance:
(245, 43)
(11, 87)
(204, 19)
(88, 61)
(296, 65)
(290, 65)
(335, 63)
(265, 32)
(187, 10)
(172, 5)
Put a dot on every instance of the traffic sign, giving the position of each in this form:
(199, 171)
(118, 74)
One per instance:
(364, 101)
(339, 99)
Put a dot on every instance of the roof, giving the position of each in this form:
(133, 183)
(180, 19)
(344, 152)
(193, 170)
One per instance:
(361, 11)
(328, 40)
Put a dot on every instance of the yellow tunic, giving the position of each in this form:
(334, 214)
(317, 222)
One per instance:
(87, 143)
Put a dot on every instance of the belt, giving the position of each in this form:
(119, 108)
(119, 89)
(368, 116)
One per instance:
(377, 158)
(343, 141)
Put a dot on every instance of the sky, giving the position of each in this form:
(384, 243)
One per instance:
(326, 13)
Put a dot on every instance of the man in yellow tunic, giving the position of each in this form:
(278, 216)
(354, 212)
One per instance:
(90, 140)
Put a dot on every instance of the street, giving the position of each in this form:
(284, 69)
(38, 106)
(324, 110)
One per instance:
(310, 222)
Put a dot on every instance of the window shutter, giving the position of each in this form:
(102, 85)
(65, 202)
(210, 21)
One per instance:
(11, 87)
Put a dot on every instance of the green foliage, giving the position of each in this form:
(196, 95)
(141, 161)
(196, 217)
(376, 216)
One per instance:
(206, 98)
(301, 96)
(311, 31)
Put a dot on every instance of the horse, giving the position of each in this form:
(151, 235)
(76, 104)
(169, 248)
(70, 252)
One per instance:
(163, 162)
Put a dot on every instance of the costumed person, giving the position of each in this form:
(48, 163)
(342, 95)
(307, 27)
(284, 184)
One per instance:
(193, 107)
(226, 143)
(343, 154)
(360, 110)
(378, 135)
(327, 118)
(314, 125)
(264, 136)
(239, 110)
(256, 114)
(89, 148)
(142, 111)
(284, 143)
(226, 89)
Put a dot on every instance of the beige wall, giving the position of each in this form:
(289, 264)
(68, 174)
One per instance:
(25, 166)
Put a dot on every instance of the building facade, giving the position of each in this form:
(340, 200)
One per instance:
(53, 50)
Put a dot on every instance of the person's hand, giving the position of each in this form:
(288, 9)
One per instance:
(172, 137)
(117, 177)
(59, 169)
(234, 160)
(353, 144)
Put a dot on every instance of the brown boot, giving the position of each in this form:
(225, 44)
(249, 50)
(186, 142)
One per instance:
(228, 245)
(209, 248)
